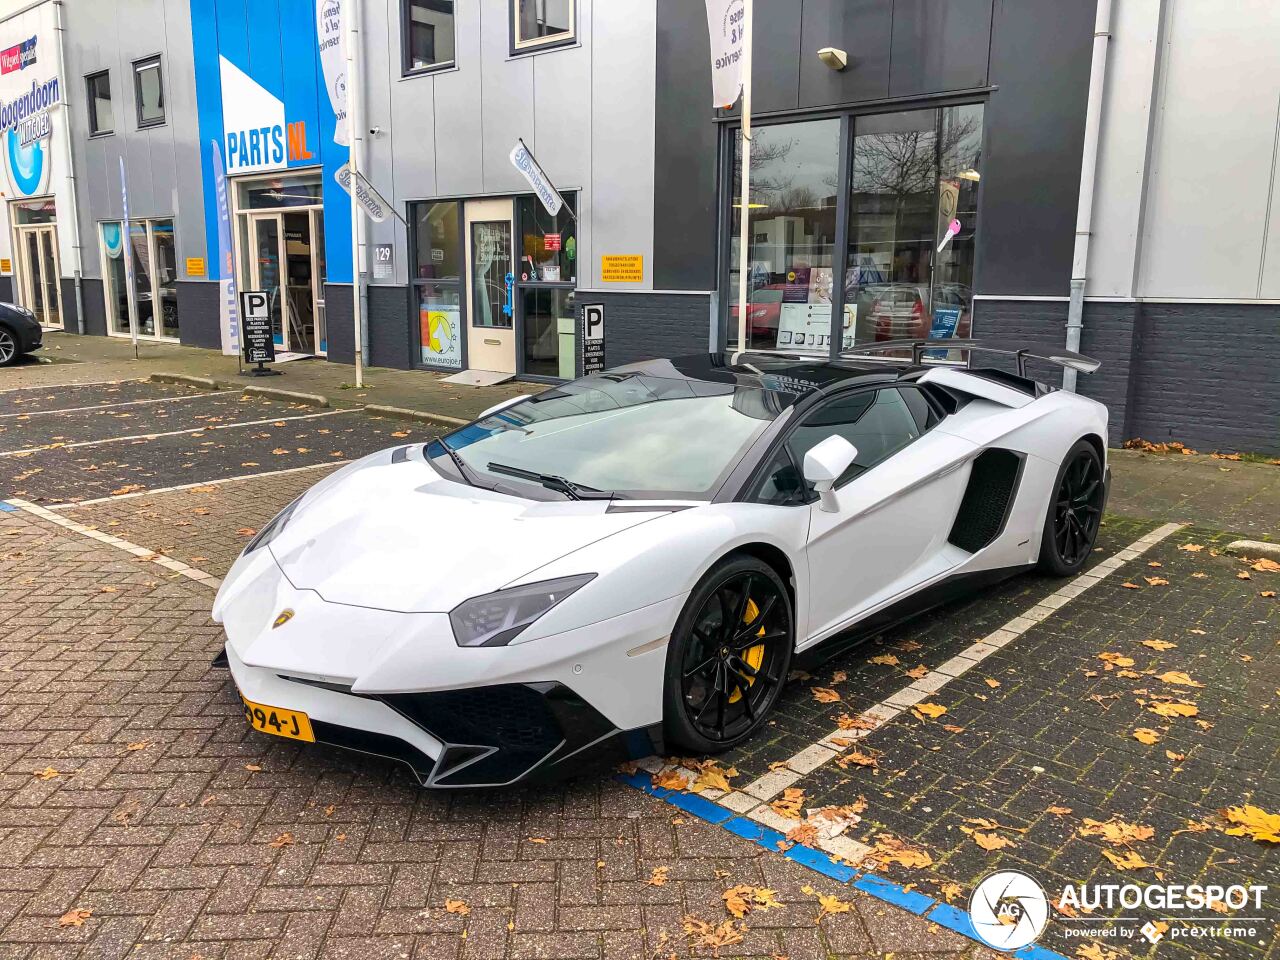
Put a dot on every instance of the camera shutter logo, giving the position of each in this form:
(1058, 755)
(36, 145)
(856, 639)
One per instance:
(1008, 910)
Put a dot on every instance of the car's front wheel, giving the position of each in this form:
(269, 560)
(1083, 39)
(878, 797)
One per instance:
(728, 657)
(8, 346)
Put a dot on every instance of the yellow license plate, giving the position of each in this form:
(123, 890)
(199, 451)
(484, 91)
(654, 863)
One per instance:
(277, 721)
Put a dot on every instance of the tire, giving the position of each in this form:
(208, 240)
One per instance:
(9, 352)
(1074, 513)
(722, 679)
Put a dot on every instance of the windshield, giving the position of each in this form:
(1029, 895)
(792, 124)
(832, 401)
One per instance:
(629, 434)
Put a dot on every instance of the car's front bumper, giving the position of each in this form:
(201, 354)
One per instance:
(472, 737)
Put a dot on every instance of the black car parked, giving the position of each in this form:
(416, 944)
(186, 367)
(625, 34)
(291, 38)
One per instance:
(19, 333)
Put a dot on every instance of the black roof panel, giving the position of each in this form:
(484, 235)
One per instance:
(795, 375)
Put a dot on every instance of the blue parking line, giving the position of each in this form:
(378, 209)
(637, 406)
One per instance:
(943, 914)
(7, 507)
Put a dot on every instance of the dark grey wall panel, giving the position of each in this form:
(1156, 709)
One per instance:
(389, 327)
(775, 73)
(339, 318)
(95, 307)
(684, 209)
(939, 46)
(1034, 125)
(1205, 375)
(199, 319)
(1108, 337)
(6, 290)
(69, 321)
(863, 29)
(641, 326)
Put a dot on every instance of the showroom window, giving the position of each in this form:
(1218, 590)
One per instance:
(541, 23)
(149, 92)
(546, 279)
(101, 117)
(437, 282)
(155, 269)
(909, 199)
(428, 33)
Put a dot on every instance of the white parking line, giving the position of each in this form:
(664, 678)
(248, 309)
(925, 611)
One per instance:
(142, 553)
(171, 433)
(58, 386)
(753, 799)
(110, 406)
(73, 504)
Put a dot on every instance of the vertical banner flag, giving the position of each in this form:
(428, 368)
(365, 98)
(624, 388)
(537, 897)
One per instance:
(126, 242)
(523, 161)
(333, 63)
(726, 22)
(229, 308)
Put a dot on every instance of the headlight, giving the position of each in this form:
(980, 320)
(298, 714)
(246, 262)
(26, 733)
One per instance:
(272, 529)
(495, 619)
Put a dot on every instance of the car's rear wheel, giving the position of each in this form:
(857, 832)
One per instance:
(1075, 512)
(8, 347)
(728, 657)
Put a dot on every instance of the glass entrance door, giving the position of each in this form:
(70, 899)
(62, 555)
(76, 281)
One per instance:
(284, 258)
(38, 269)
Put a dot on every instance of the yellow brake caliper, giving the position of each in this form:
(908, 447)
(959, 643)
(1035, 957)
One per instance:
(754, 656)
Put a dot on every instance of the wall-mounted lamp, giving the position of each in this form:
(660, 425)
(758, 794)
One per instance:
(834, 58)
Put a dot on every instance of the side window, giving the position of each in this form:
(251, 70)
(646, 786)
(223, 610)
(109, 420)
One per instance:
(921, 409)
(879, 423)
(782, 483)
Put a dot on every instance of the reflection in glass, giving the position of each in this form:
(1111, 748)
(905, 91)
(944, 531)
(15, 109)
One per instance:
(49, 277)
(150, 92)
(297, 299)
(267, 232)
(794, 179)
(912, 215)
(142, 298)
(117, 292)
(430, 33)
(549, 326)
(101, 117)
(289, 191)
(436, 240)
(549, 245)
(491, 262)
(166, 276)
(541, 21)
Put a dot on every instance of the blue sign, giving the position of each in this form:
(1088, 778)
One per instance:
(510, 281)
(945, 322)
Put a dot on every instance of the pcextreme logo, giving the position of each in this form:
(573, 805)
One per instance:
(1009, 910)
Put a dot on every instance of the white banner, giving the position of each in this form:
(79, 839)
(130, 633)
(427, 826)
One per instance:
(726, 22)
(373, 203)
(523, 161)
(333, 63)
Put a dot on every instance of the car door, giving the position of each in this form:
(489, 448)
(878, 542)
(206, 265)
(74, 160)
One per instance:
(895, 502)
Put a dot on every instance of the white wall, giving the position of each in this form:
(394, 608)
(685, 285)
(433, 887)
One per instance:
(1187, 204)
(586, 111)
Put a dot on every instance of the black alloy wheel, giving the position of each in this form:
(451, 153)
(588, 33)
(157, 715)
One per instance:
(8, 347)
(729, 655)
(1075, 512)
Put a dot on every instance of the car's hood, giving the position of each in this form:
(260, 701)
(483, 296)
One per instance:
(400, 537)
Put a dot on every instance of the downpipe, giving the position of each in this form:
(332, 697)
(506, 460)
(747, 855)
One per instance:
(1088, 177)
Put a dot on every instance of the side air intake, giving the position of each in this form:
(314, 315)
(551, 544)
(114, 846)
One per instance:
(987, 499)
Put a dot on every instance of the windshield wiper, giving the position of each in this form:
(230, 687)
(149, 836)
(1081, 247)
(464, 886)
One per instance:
(467, 476)
(573, 491)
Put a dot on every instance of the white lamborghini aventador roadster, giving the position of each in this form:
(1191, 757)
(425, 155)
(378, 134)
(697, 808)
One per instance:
(631, 559)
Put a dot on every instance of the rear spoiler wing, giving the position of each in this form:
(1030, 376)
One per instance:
(1063, 358)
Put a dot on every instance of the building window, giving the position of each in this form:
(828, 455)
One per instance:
(155, 273)
(101, 118)
(541, 23)
(912, 205)
(427, 26)
(437, 282)
(149, 92)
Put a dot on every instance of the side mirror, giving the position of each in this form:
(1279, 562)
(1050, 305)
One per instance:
(823, 466)
(499, 407)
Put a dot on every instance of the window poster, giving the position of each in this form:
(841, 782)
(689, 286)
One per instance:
(440, 330)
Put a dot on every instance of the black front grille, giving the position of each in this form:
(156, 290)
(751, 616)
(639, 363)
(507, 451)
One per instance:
(509, 716)
(987, 499)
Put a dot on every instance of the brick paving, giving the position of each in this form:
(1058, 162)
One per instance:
(155, 822)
